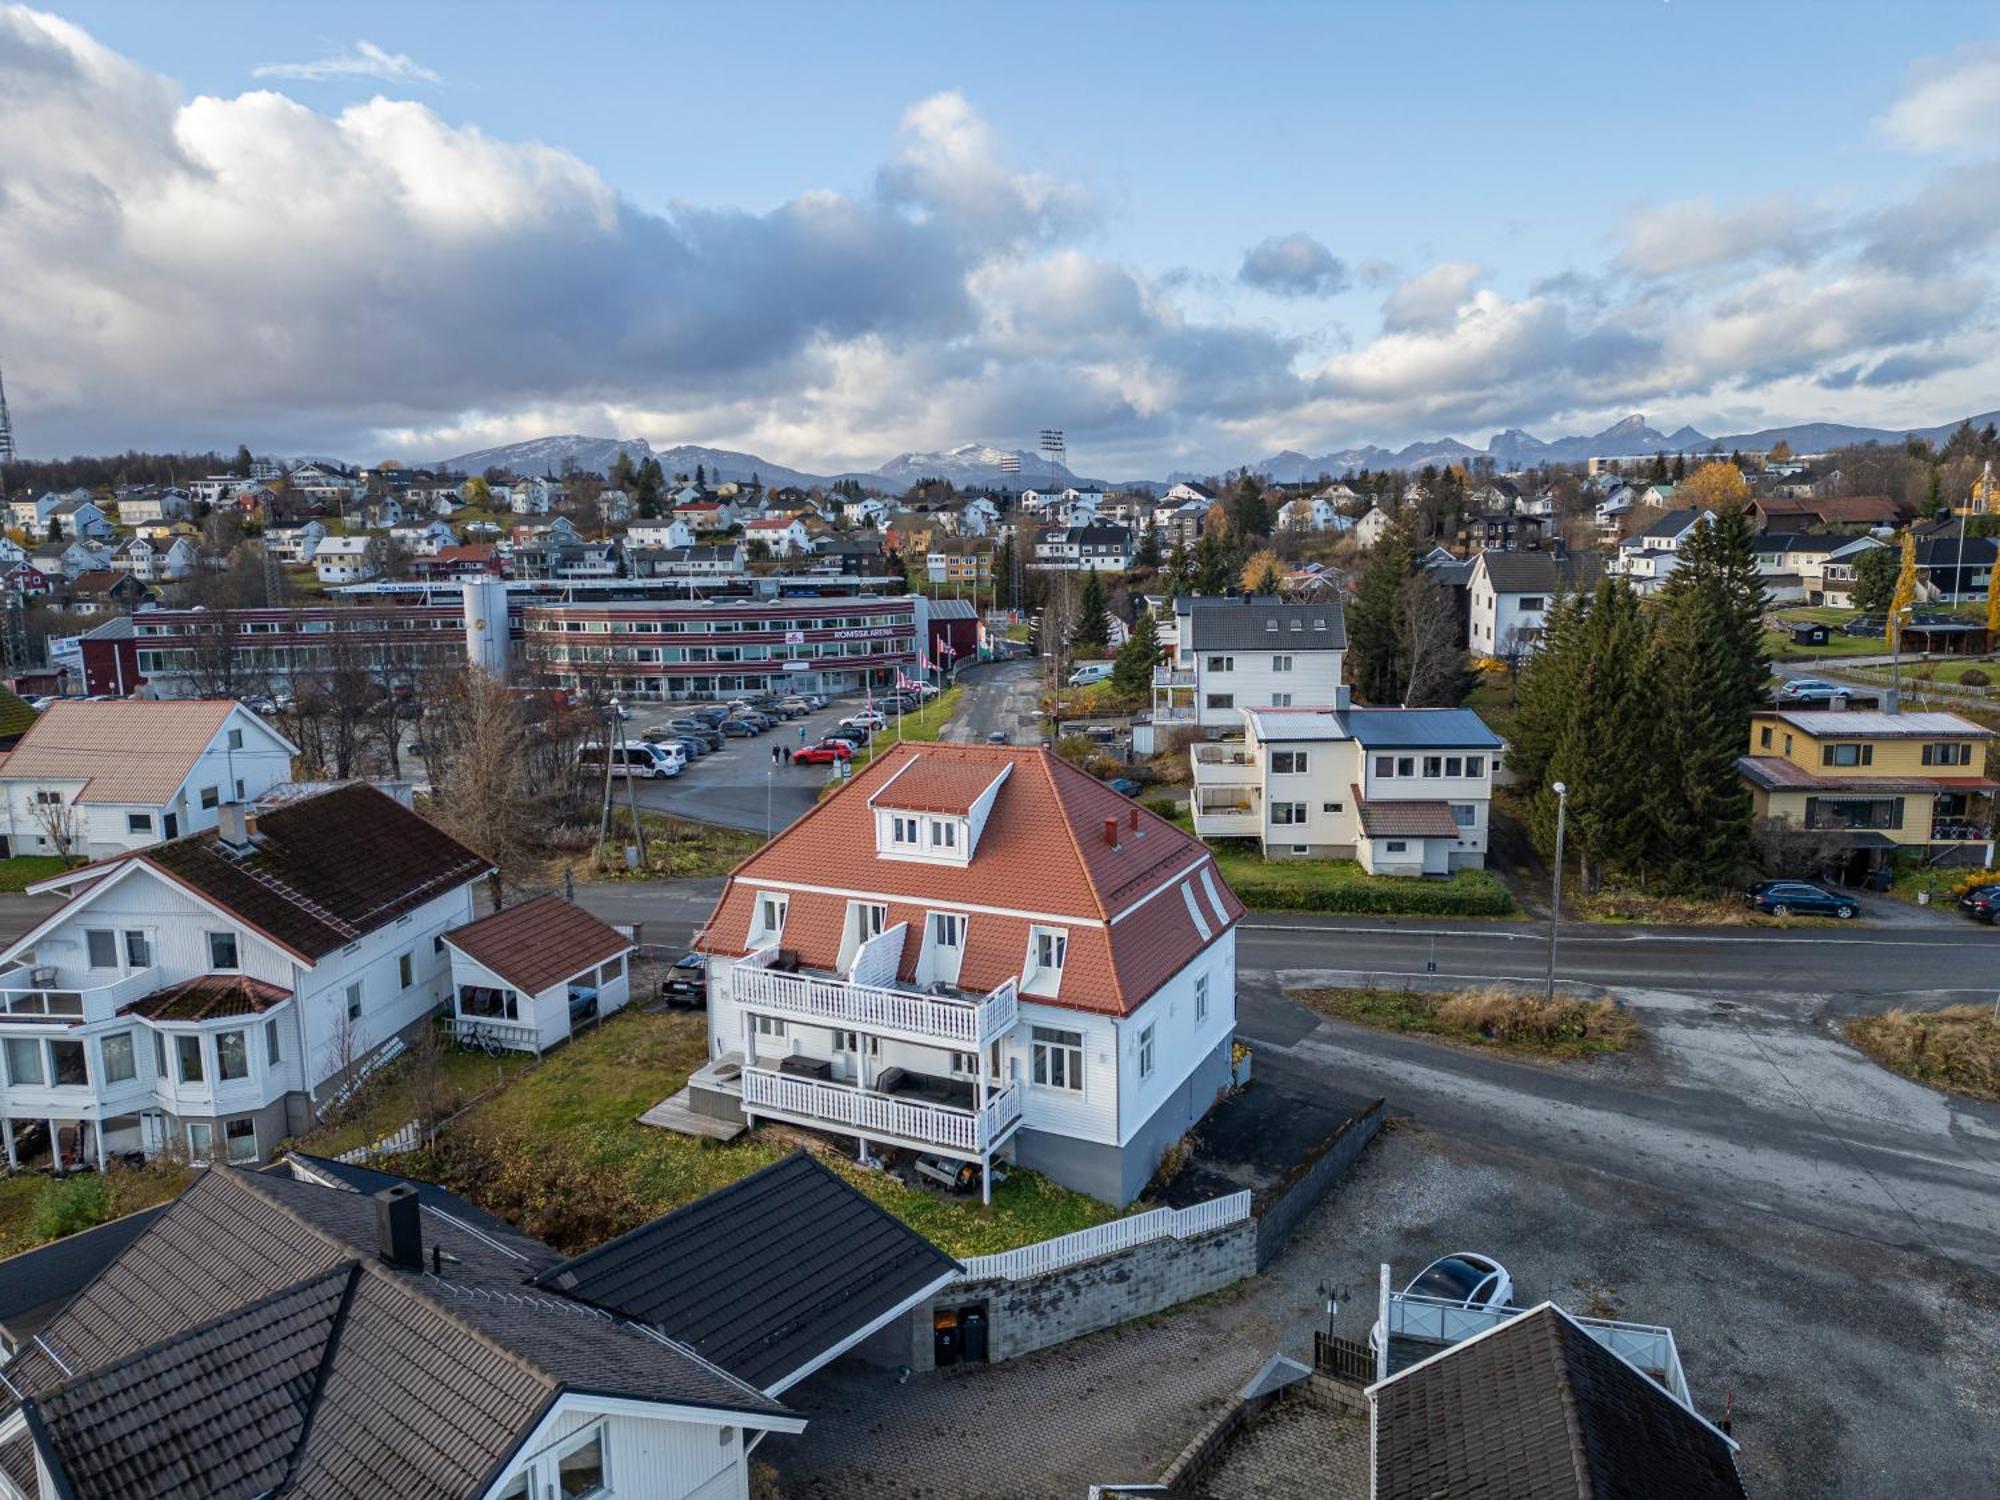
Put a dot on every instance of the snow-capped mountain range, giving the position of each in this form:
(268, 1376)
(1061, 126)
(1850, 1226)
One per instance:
(980, 465)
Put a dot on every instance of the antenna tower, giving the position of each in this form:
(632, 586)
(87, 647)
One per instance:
(7, 453)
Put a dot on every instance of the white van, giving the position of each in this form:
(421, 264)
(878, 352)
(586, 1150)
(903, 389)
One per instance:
(1089, 672)
(636, 759)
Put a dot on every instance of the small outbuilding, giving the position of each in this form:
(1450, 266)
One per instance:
(1809, 634)
(526, 977)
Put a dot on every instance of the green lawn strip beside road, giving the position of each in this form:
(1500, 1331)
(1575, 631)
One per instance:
(23, 870)
(918, 726)
(1341, 885)
(1515, 1020)
(559, 1151)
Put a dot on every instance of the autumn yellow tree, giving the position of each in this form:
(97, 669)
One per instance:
(1714, 486)
(1906, 590)
(1262, 573)
(1992, 610)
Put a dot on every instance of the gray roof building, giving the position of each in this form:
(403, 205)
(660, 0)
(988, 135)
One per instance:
(1252, 622)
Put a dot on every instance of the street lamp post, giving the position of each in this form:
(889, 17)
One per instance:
(1556, 902)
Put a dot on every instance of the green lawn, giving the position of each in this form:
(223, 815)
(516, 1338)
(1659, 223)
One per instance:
(131, 1189)
(1778, 646)
(398, 1095)
(1341, 885)
(1916, 672)
(560, 1152)
(23, 870)
(925, 725)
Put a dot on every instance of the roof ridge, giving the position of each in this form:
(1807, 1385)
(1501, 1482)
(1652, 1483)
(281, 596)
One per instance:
(1044, 759)
(320, 1374)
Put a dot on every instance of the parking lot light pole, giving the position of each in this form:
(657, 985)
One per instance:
(1556, 894)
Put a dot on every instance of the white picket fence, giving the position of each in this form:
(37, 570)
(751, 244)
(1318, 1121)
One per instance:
(1120, 1234)
(407, 1137)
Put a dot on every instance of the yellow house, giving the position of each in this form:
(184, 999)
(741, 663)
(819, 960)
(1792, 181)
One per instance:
(1875, 782)
(1985, 497)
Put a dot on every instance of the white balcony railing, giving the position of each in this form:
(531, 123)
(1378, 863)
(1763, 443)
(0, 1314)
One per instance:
(1225, 765)
(883, 1117)
(20, 996)
(1646, 1345)
(968, 1024)
(1176, 714)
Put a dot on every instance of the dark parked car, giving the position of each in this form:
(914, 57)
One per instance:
(1982, 903)
(1866, 625)
(740, 728)
(852, 736)
(686, 983)
(1795, 898)
(702, 728)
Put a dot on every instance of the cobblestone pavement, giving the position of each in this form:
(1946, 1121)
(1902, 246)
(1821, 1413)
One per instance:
(1295, 1449)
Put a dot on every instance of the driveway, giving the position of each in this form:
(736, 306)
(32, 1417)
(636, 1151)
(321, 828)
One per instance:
(999, 697)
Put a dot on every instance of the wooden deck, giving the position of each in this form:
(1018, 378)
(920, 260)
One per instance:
(675, 1115)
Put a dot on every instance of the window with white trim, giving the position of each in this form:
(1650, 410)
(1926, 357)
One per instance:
(240, 1140)
(354, 1001)
(903, 831)
(1464, 814)
(947, 929)
(1058, 1058)
(1281, 664)
(1385, 765)
(1397, 846)
(581, 1468)
(120, 1064)
(1200, 998)
(101, 947)
(232, 1056)
(138, 950)
(1288, 813)
(1288, 762)
(1146, 1052)
(222, 952)
(274, 1052)
(1048, 947)
(767, 923)
(944, 833)
(868, 919)
(1475, 765)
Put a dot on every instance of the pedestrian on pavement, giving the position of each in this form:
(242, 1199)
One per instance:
(774, 755)
(788, 753)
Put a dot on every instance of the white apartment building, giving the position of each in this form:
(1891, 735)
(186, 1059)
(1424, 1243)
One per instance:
(209, 995)
(1223, 655)
(345, 559)
(1404, 791)
(1646, 558)
(96, 779)
(976, 952)
(1509, 596)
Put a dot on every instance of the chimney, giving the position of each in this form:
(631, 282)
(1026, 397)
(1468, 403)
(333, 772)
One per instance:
(399, 1227)
(233, 825)
(1111, 832)
(1132, 818)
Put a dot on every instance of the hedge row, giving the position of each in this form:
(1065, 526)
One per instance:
(1418, 898)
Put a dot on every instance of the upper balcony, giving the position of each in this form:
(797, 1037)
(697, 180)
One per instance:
(1418, 1326)
(944, 1019)
(1173, 677)
(31, 993)
(1225, 763)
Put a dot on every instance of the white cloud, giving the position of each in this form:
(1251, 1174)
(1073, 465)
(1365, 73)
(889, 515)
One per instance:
(1951, 101)
(1432, 299)
(365, 60)
(1293, 265)
(1696, 235)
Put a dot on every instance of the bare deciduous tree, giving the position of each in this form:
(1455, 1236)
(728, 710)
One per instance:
(60, 822)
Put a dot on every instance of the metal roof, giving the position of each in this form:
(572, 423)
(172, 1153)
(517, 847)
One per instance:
(1260, 623)
(1855, 723)
(1419, 728)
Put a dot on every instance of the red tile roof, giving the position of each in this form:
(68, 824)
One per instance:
(208, 997)
(539, 942)
(1405, 820)
(1041, 858)
(939, 784)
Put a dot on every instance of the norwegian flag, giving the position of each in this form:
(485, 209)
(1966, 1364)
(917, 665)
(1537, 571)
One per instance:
(945, 649)
(923, 661)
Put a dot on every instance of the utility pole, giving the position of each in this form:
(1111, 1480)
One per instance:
(1556, 894)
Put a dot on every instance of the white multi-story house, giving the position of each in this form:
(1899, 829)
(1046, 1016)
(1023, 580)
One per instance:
(323, 484)
(153, 505)
(673, 532)
(1314, 513)
(1222, 655)
(152, 561)
(1509, 595)
(784, 535)
(424, 537)
(976, 952)
(208, 996)
(345, 559)
(295, 544)
(1084, 549)
(214, 488)
(1187, 492)
(1371, 528)
(1647, 557)
(1404, 791)
(96, 779)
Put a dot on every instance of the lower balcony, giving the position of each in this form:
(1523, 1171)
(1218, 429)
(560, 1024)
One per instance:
(1226, 814)
(909, 1112)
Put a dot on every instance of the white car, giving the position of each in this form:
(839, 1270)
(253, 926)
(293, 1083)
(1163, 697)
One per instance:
(1809, 687)
(1089, 672)
(868, 718)
(1464, 1278)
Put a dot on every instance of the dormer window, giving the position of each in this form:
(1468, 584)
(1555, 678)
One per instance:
(767, 923)
(944, 833)
(904, 830)
(1048, 947)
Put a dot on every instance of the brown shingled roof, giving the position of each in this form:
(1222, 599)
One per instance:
(539, 942)
(208, 997)
(1405, 820)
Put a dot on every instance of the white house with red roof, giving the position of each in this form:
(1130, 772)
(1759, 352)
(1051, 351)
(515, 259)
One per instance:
(784, 535)
(980, 953)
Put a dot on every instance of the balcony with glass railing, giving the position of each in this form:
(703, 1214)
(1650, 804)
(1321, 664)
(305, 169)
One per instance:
(35, 993)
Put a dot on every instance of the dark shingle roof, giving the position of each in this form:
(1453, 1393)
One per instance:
(1243, 624)
(325, 869)
(36, 1283)
(1419, 728)
(208, 997)
(367, 1181)
(764, 1276)
(1541, 572)
(1405, 820)
(1535, 1410)
(1671, 524)
(539, 942)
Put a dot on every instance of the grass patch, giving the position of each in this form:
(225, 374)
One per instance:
(23, 870)
(921, 726)
(1957, 1048)
(559, 1151)
(676, 849)
(1949, 673)
(1779, 646)
(32, 1205)
(1639, 907)
(1341, 885)
(400, 1093)
(1510, 1019)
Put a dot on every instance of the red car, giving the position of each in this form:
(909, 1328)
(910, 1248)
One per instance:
(825, 753)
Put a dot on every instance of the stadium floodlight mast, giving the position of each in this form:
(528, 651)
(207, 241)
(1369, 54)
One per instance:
(1052, 445)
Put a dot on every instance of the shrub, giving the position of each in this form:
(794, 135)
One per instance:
(1162, 807)
(1524, 1019)
(1421, 898)
(1974, 677)
(1955, 1048)
(68, 1204)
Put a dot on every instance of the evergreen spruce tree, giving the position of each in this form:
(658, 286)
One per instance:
(1375, 620)
(1607, 751)
(1545, 693)
(1147, 553)
(1133, 673)
(1092, 631)
(1180, 570)
(1248, 516)
(1211, 569)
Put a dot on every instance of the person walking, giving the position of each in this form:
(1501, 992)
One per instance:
(774, 755)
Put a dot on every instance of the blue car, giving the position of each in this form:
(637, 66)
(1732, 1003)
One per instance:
(1794, 898)
(1125, 786)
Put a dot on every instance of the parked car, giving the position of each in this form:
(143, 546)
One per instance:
(740, 729)
(1782, 898)
(641, 759)
(1810, 687)
(854, 736)
(692, 747)
(867, 718)
(825, 753)
(685, 983)
(1124, 786)
(1465, 1279)
(1982, 903)
(1089, 672)
(702, 728)
(709, 713)
(996, 737)
(1866, 625)
(758, 722)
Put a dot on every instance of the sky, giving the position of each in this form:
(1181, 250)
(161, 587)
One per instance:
(1190, 235)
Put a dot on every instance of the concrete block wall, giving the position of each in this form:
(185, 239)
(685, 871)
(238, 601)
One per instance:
(1280, 1209)
(1023, 1316)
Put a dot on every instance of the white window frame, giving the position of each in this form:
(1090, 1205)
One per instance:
(236, 947)
(1294, 763)
(1046, 1047)
(944, 834)
(1147, 1036)
(948, 929)
(762, 933)
(1200, 998)
(1056, 939)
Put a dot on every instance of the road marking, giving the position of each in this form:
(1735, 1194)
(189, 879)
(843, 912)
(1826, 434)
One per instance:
(1574, 935)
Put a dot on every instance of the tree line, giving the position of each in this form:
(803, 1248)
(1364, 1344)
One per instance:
(1641, 708)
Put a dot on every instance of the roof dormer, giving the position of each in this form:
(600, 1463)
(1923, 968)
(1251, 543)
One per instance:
(933, 809)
